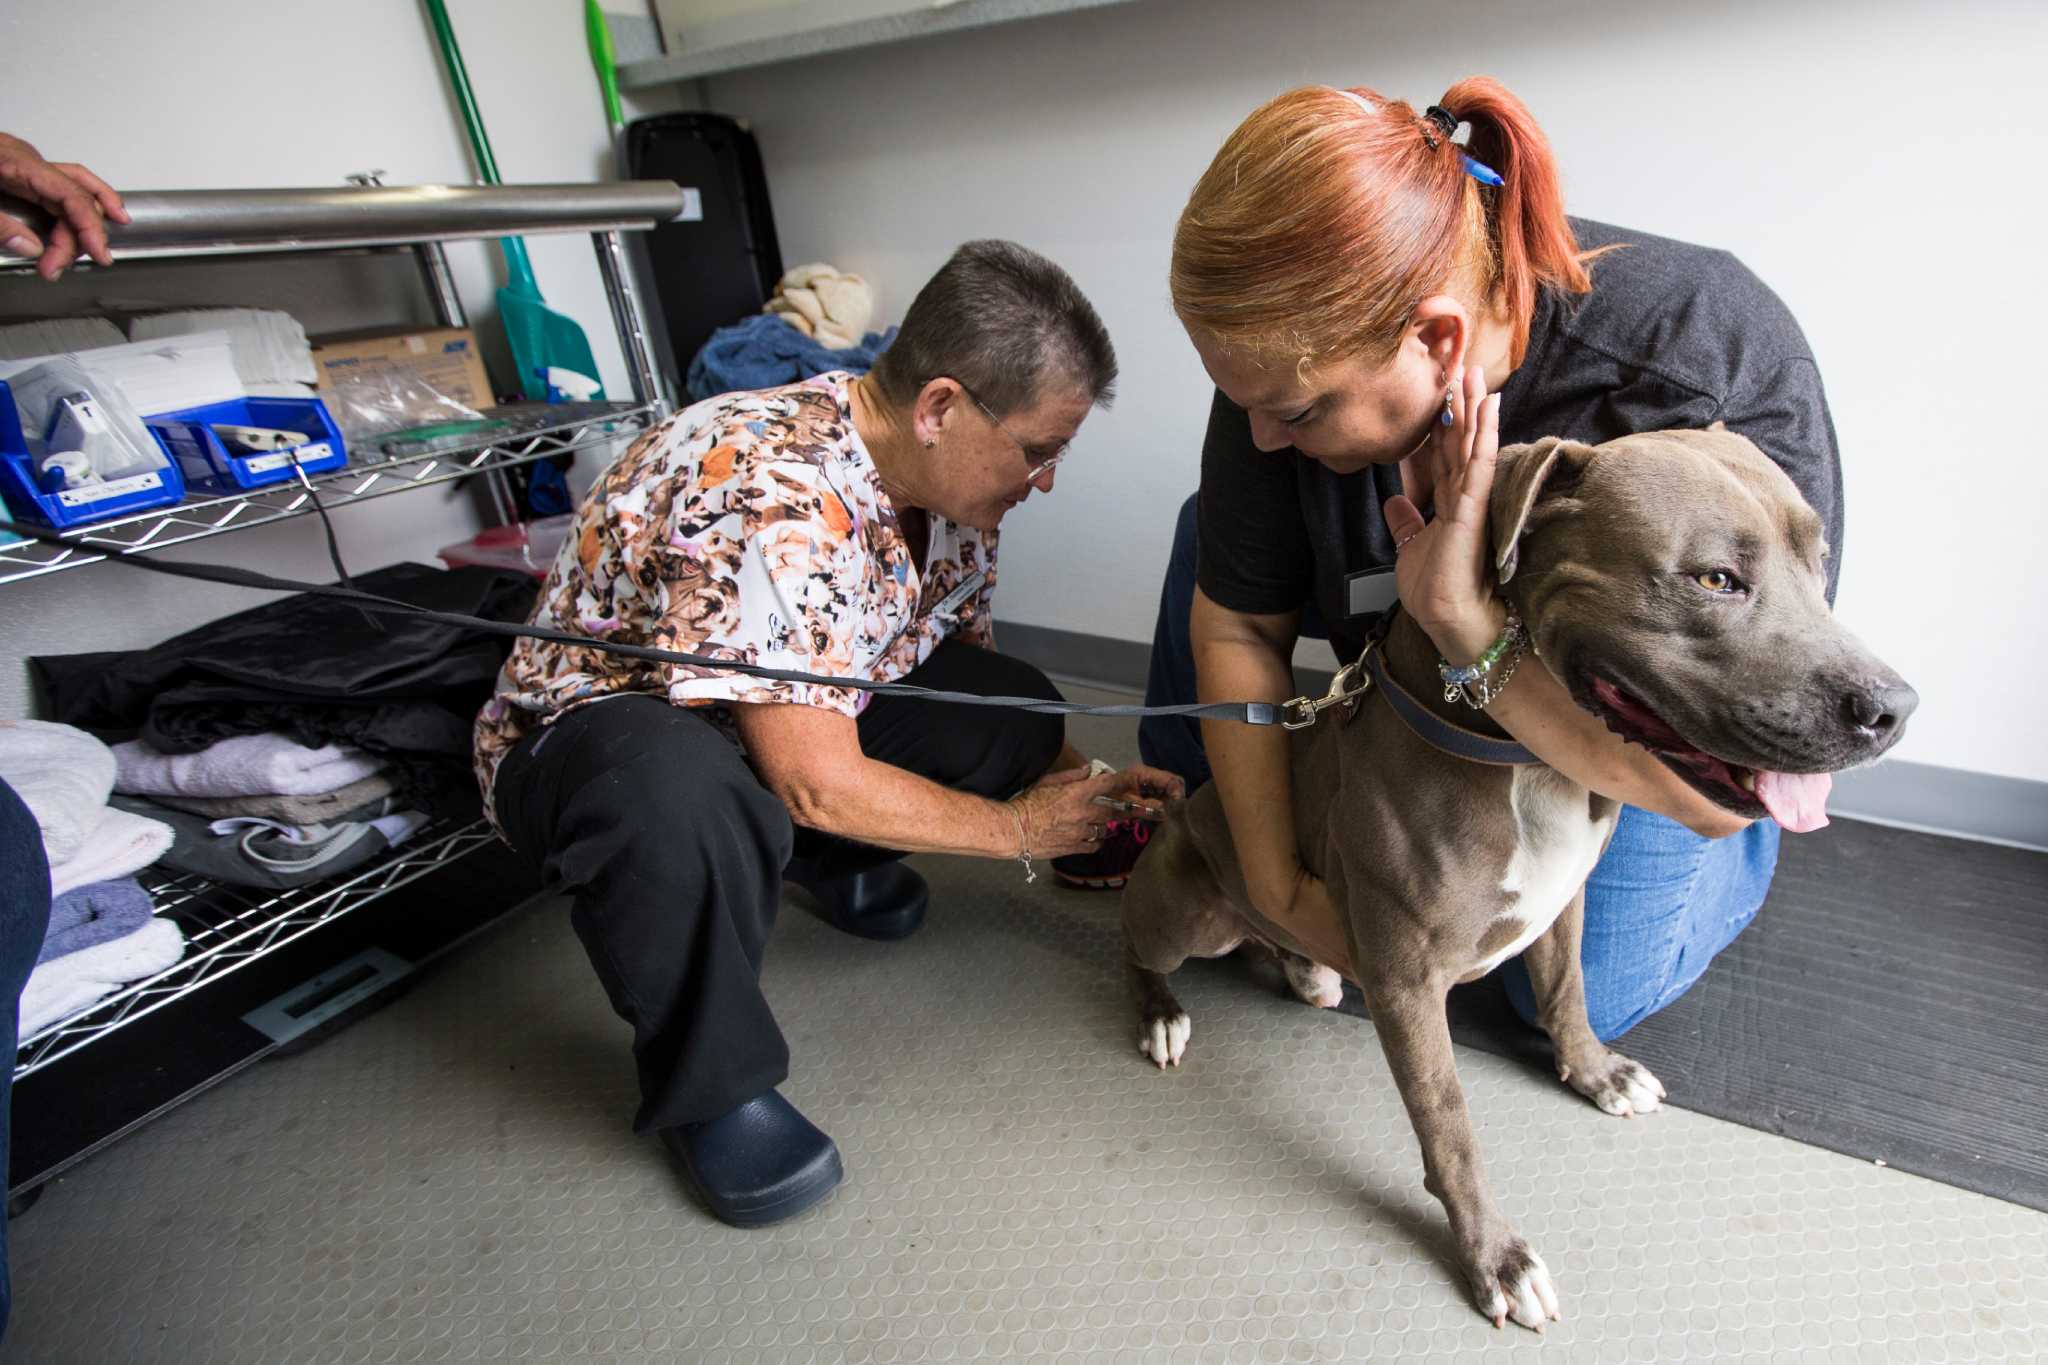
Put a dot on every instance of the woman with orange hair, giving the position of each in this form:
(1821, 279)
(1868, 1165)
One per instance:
(1379, 306)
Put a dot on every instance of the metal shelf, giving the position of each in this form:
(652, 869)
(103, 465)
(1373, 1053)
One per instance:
(798, 29)
(198, 518)
(228, 927)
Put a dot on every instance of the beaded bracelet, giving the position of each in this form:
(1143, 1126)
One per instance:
(1459, 680)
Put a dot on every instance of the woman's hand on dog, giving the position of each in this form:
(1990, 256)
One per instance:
(1058, 815)
(1440, 566)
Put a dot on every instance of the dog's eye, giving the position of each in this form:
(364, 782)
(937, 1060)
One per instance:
(1718, 580)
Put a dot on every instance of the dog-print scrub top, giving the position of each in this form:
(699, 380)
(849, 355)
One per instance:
(754, 527)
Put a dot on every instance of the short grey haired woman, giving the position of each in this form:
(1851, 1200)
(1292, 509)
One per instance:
(841, 526)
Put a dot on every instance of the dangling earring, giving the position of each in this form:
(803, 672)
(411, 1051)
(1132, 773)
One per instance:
(1448, 416)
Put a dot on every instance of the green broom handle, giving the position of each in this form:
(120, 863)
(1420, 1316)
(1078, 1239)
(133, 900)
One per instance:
(517, 264)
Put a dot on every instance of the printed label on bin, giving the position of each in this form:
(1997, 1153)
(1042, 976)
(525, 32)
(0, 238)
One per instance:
(100, 492)
(263, 464)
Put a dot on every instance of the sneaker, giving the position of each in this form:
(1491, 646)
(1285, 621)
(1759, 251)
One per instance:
(1108, 867)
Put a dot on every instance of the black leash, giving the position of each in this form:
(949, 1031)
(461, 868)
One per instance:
(1244, 712)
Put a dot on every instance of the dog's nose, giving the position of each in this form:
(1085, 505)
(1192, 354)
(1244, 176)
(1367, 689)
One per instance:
(1879, 707)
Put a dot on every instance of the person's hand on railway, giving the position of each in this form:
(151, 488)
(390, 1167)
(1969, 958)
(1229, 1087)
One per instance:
(79, 201)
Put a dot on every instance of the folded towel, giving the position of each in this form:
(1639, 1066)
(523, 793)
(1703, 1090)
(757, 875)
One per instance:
(364, 800)
(823, 303)
(245, 851)
(63, 986)
(95, 914)
(120, 845)
(245, 765)
(763, 351)
(62, 774)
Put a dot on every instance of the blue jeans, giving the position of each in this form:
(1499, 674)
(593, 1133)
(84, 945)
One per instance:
(24, 917)
(1660, 904)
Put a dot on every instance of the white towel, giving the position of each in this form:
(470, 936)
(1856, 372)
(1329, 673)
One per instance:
(120, 845)
(824, 303)
(65, 985)
(246, 765)
(63, 775)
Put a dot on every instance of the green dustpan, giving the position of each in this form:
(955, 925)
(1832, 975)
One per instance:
(541, 338)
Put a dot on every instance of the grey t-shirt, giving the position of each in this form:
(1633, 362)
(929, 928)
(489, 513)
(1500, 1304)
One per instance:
(1672, 336)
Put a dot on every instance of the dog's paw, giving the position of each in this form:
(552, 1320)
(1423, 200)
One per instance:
(1313, 983)
(1618, 1085)
(1509, 1280)
(1164, 1037)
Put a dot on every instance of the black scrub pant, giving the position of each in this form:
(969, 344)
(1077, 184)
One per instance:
(674, 854)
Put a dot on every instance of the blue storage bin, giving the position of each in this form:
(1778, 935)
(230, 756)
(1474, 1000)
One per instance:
(208, 464)
(73, 506)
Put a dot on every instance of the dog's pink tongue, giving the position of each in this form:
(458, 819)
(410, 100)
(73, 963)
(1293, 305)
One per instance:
(1798, 801)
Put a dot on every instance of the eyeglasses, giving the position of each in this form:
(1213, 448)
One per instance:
(1042, 465)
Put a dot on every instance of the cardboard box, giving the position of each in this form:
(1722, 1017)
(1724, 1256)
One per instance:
(444, 357)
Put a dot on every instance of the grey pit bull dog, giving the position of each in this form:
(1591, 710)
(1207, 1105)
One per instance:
(1673, 582)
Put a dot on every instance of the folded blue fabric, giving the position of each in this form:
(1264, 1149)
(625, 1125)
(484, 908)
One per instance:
(763, 351)
(97, 913)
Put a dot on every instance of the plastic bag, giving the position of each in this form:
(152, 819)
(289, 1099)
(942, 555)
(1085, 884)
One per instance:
(369, 403)
(82, 426)
(523, 547)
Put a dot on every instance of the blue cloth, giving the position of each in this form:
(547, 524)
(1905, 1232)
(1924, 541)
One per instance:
(763, 351)
(24, 919)
(94, 914)
(1660, 904)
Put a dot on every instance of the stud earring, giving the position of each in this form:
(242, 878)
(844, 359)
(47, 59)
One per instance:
(931, 444)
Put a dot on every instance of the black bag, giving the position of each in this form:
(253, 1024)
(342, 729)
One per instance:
(712, 271)
(314, 668)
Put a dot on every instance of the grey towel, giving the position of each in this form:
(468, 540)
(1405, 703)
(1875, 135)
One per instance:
(365, 799)
(97, 913)
(266, 858)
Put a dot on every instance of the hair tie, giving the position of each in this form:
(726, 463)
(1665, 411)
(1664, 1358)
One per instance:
(1435, 117)
(1446, 123)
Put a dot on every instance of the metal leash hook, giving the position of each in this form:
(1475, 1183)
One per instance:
(1351, 683)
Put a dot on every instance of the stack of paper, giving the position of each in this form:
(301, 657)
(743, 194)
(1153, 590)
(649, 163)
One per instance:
(167, 374)
(21, 340)
(269, 347)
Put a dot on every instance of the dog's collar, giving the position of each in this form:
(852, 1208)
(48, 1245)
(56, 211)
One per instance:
(1428, 726)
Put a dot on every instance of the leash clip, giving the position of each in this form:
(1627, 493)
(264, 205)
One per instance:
(1351, 683)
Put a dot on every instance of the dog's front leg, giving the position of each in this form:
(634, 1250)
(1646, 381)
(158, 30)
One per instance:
(1616, 1083)
(1507, 1278)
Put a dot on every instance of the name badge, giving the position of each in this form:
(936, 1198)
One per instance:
(960, 596)
(1370, 592)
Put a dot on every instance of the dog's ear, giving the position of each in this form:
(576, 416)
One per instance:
(1524, 476)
